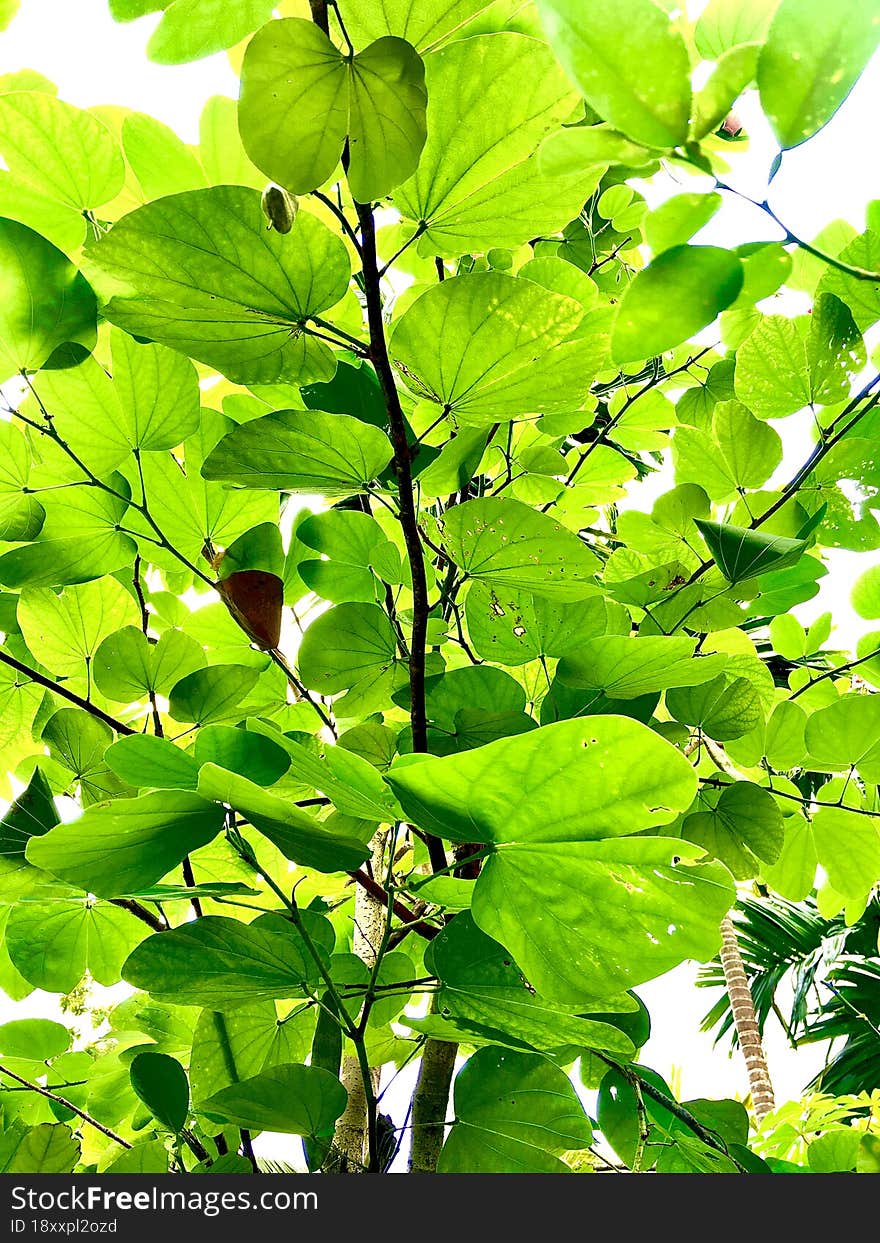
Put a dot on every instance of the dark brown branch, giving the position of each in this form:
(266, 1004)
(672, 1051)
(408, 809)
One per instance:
(71, 696)
(60, 1100)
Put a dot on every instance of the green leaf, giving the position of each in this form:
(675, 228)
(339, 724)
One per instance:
(147, 762)
(298, 836)
(160, 1083)
(146, 1157)
(38, 1040)
(191, 29)
(78, 742)
(45, 1149)
(570, 787)
(835, 350)
(678, 219)
(347, 646)
(490, 347)
(225, 963)
(32, 814)
(510, 545)
(426, 23)
(53, 941)
(482, 985)
(200, 272)
(865, 594)
(585, 919)
(21, 516)
(64, 631)
(512, 627)
(230, 1047)
(772, 376)
(741, 553)
(725, 24)
(630, 62)
(301, 451)
(294, 1100)
(848, 848)
(127, 666)
(46, 301)
(80, 540)
(734, 72)
(160, 161)
(252, 754)
(348, 780)
(677, 295)
(810, 62)
(846, 734)
(515, 1113)
(625, 668)
(724, 707)
(480, 185)
(60, 150)
(214, 694)
(752, 450)
(121, 845)
(743, 826)
(301, 97)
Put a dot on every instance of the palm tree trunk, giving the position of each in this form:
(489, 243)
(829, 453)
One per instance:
(745, 1021)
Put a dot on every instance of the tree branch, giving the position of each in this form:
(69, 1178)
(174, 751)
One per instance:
(60, 1100)
(71, 696)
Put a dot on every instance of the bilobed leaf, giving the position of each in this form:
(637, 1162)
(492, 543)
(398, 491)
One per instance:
(161, 162)
(559, 783)
(301, 98)
(127, 666)
(228, 1048)
(744, 825)
(301, 451)
(515, 1113)
(225, 964)
(53, 941)
(512, 627)
(724, 707)
(480, 185)
(741, 553)
(510, 545)
(21, 515)
(200, 272)
(671, 300)
(59, 149)
(810, 62)
(64, 630)
(46, 301)
(491, 347)
(625, 667)
(254, 755)
(299, 837)
(127, 843)
(345, 646)
(295, 1100)
(845, 734)
(160, 1082)
(629, 61)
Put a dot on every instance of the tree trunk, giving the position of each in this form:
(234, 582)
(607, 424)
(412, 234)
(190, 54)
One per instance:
(745, 1021)
(350, 1140)
(429, 1105)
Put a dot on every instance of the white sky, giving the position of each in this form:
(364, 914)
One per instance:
(96, 61)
